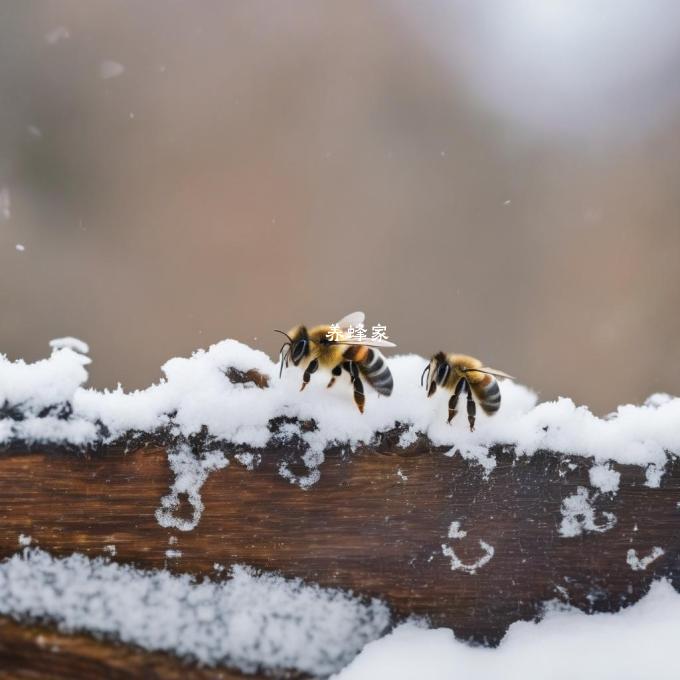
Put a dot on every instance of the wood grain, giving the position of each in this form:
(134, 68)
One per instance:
(29, 652)
(375, 523)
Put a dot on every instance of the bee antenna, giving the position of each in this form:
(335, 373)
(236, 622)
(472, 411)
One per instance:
(286, 334)
(284, 357)
(425, 370)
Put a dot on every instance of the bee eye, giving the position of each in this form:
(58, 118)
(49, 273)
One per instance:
(442, 373)
(298, 351)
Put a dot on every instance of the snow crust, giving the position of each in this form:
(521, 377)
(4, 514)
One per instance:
(195, 394)
(249, 621)
(634, 644)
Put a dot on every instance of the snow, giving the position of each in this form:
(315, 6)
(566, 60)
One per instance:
(34, 131)
(638, 564)
(196, 394)
(455, 532)
(635, 644)
(5, 204)
(249, 621)
(469, 568)
(70, 343)
(110, 69)
(249, 460)
(604, 478)
(190, 473)
(653, 475)
(578, 515)
(56, 34)
(408, 437)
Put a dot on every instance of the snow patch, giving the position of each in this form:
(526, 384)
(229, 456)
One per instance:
(476, 453)
(249, 460)
(408, 437)
(604, 478)
(637, 564)
(191, 472)
(25, 540)
(455, 532)
(653, 475)
(303, 481)
(578, 515)
(251, 621)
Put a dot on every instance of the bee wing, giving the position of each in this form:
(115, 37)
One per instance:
(368, 342)
(493, 371)
(353, 319)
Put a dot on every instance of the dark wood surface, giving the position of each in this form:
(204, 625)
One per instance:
(28, 652)
(374, 523)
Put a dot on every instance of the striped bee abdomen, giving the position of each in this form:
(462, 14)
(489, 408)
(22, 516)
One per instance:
(488, 394)
(374, 369)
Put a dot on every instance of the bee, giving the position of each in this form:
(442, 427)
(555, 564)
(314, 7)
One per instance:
(458, 372)
(334, 349)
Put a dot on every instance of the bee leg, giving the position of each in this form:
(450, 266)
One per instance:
(359, 397)
(471, 406)
(313, 365)
(336, 372)
(453, 402)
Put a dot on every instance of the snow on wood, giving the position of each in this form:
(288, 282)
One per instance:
(472, 530)
(605, 478)
(45, 402)
(251, 621)
(636, 563)
(190, 475)
(640, 642)
(579, 515)
(455, 532)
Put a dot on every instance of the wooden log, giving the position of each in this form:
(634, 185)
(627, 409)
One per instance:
(378, 522)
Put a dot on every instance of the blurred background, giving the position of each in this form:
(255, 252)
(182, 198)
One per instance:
(498, 178)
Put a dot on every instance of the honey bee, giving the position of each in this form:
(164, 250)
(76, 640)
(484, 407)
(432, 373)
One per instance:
(456, 372)
(334, 348)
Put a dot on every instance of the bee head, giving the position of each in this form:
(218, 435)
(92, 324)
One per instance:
(437, 371)
(300, 348)
(296, 348)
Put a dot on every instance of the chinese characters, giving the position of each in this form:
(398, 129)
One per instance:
(357, 333)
